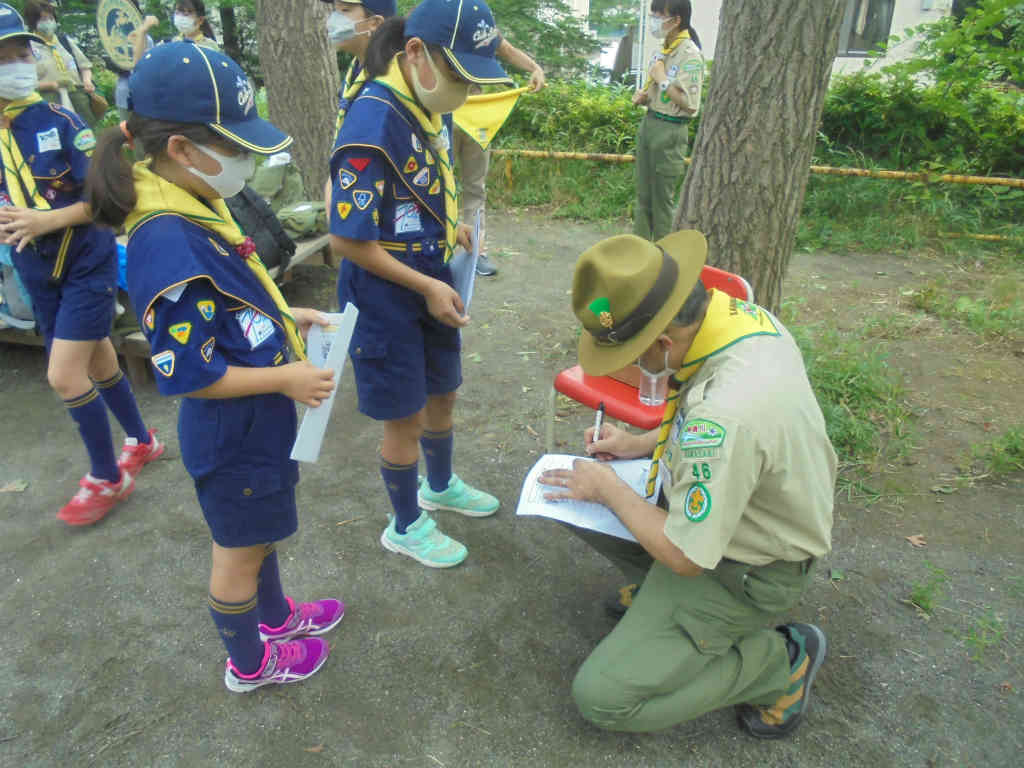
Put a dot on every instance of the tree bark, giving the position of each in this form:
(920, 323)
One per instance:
(302, 82)
(229, 31)
(751, 158)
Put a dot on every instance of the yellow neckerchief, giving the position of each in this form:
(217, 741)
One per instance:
(202, 41)
(727, 321)
(55, 49)
(667, 50)
(155, 196)
(483, 114)
(431, 126)
(352, 86)
(26, 194)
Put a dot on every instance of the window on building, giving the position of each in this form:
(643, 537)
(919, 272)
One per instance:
(866, 26)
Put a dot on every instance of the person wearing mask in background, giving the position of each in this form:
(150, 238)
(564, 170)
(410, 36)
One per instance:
(472, 160)
(672, 96)
(60, 63)
(189, 20)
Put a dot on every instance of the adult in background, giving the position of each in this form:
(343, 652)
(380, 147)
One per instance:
(672, 97)
(60, 63)
(747, 478)
(190, 21)
(472, 160)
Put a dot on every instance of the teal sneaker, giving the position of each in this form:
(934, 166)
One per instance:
(458, 497)
(424, 543)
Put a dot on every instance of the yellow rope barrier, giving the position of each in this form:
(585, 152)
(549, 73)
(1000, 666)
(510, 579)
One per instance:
(949, 178)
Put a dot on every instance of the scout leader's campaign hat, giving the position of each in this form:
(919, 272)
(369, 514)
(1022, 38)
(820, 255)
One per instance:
(383, 8)
(183, 83)
(13, 26)
(625, 292)
(467, 34)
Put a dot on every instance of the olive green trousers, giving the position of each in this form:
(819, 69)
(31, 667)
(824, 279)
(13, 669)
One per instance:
(659, 159)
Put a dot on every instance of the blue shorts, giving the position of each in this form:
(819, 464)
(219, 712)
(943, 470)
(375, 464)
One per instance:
(400, 354)
(237, 453)
(79, 307)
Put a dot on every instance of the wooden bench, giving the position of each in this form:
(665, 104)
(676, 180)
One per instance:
(133, 345)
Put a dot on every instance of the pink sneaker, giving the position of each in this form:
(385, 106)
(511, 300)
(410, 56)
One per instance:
(94, 499)
(135, 456)
(306, 619)
(283, 662)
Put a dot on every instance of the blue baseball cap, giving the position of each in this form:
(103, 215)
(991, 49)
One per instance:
(12, 25)
(383, 8)
(467, 34)
(184, 83)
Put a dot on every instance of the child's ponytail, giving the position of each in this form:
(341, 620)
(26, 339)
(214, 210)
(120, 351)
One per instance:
(109, 186)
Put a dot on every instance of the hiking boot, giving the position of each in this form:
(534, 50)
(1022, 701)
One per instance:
(306, 619)
(94, 499)
(485, 267)
(134, 456)
(457, 497)
(424, 543)
(283, 662)
(617, 605)
(807, 647)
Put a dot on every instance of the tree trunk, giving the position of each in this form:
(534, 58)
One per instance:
(302, 82)
(229, 30)
(751, 157)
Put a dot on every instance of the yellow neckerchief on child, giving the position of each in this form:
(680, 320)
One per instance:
(483, 114)
(431, 126)
(15, 168)
(155, 196)
(352, 86)
(667, 50)
(727, 321)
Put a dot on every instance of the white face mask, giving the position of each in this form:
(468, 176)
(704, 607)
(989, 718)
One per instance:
(340, 28)
(17, 80)
(47, 28)
(234, 171)
(185, 24)
(446, 95)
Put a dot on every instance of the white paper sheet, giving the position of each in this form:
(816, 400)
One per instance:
(583, 514)
(325, 348)
(463, 266)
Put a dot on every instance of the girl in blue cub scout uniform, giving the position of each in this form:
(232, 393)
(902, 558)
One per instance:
(69, 268)
(222, 336)
(393, 219)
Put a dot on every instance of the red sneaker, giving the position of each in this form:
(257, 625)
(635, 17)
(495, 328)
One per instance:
(94, 499)
(135, 456)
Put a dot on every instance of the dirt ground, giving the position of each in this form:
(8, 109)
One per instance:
(110, 658)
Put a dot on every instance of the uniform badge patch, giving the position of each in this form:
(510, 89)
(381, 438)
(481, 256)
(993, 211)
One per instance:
(380, 187)
(344, 209)
(207, 349)
(207, 309)
(362, 198)
(359, 163)
(376, 218)
(256, 327)
(218, 247)
(407, 219)
(697, 505)
(49, 141)
(429, 157)
(411, 165)
(181, 332)
(701, 433)
(422, 178)
(150, 320)
(85, 140)
(416, 144)
(346, 178)
(164, 362)
(435, 187)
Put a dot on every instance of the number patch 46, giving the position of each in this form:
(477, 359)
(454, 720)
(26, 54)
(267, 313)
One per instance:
(701, 471)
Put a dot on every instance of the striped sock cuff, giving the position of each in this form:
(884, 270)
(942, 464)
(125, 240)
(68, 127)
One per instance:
(385, 464)
(113, 381)
(233, 608)
(84, 399)
(429, 435)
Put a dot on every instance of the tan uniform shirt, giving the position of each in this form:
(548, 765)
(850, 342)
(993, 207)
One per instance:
(685, 68)
(750, 472)
(46, 64)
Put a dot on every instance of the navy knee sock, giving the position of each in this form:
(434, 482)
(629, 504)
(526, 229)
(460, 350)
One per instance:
(274, 609)
(438, 448)
(117, 394)
(401, 481)
(90, 414)
(238, 625)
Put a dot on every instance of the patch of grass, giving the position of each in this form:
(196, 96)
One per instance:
(1001, 455)
(984, 633)
(927, 594)
(996, 312)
